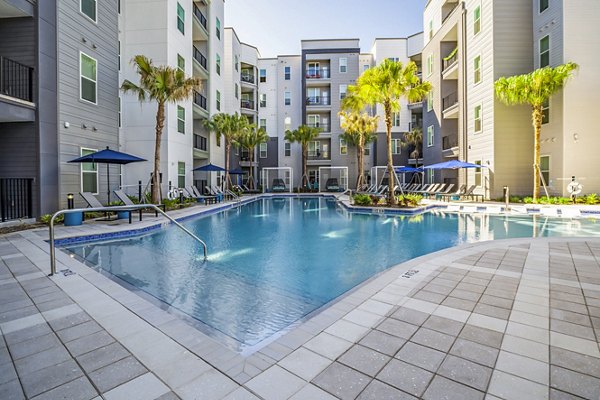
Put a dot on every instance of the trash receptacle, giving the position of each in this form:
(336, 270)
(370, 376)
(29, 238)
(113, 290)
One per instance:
(73, 219)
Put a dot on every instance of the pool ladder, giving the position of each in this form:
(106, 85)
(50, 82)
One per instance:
(115, 208)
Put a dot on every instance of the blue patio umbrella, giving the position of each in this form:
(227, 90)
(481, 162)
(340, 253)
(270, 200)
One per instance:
(108, 156)
(454, 164)
(209, 168)
(405, 170)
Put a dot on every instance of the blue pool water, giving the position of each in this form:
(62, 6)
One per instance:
(275, 260)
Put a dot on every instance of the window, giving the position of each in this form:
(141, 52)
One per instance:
(366, 67)
(287, 123)
(180, 19)
(180, 119)
(476, 20)
(477, 70)
(314, 149)
(543, 5)
(396, 119)
(396, 146)
(478, 174)
(343, 65)
(546, 112)
(431, 175)
(89, 8)
(477, 119)
(120, 111)
(218, 139)
(287, 73)
(119, 56)
(237, 63)
(263, 99)
(343, 147)
(287, 149)
(218, 28)
(89, 173)
(262, 75)
(313, 120)
(236, 91)
(545, 169)
(343, 90)
(218, 64)
(394, 59)
(430, 65)
(544, 51)
(287, 98)
(367, 151)
(180, 62)
(262, 123)
(262, 153)
(218, 101)
(88, 85)
(430, 134)
(430, 100)
(181, 174)
(119, 6)
(430, 29)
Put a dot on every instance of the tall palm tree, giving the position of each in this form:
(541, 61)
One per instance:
(386, 85)
(534, 88)
(249, 140)
(303, 135)
(231, 127)
(162, 84)
(359, 130)
(414, 138)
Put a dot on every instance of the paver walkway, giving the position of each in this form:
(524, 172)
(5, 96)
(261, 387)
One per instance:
(514, 319)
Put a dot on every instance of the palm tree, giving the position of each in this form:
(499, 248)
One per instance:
(249, 140)
(303, 135)
(534, 88)
(386, 84)
(359, 130)
(231, 127)
(162, 84)
(414, 138)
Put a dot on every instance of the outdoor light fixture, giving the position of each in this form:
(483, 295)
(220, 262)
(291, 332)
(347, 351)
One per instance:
(70, 204)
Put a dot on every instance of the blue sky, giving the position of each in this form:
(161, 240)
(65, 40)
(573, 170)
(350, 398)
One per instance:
(277, 26)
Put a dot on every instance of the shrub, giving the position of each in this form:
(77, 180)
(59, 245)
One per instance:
(45, 219)
(592, 198)
(409, 200)
(170, 204)
(363, 200)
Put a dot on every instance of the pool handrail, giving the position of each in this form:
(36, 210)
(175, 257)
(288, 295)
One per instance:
(113, 208)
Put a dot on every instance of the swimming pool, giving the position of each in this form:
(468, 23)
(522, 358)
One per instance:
(275, 260)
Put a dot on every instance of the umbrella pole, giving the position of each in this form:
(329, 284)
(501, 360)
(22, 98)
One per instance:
(108, 181)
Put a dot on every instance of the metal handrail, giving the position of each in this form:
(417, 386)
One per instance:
(115, 208)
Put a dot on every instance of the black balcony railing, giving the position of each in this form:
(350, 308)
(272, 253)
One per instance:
(449, 101)
(450, 61)
(200, 100)
(321, 126)
(449, 142)
(198, 56)
(317, 73)
(200, 16)
(16, 79)
(415, 125)
(319, 157)
(247, 77)
(16, 198)
(200, 143)
(247, 104)
(318, 101)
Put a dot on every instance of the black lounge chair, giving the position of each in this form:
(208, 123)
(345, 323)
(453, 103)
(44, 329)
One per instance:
(127, 201)
(332, 185)
(93, 202)
(278, 185)
(195, 194)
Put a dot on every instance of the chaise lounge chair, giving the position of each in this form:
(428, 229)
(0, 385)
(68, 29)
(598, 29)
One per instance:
(332, 185)
(93, 202)
(127, 201)
(278, 185)
(195, 194)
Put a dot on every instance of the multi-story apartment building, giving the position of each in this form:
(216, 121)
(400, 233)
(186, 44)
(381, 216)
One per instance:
(57, 99)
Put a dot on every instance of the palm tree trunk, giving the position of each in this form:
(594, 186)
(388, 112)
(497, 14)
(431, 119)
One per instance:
(251, 176)
(227, 150)
(304, 165)
(360, 151)
(390, 161)
(160, 122)
(537, 127)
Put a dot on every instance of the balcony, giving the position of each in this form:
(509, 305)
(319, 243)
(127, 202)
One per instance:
(322, 127)
(198, 56)
(200, 107)
(245, 162)
(16, 80)
(415, 125)
(415, 106)
(247, 104)
(450, 65)
(247, 77)
(450, 106)
(317, 73)
(318, 101)
(450, 146)
(200, 17)
(318, 158)
(200, 147)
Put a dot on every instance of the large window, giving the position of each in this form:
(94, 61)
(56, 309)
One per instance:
(180, 63)
(287, 73)
(430, 134)
(313, 120)
(343, 65)
(545, 169)
(88, 82)
(180, 19)
(430, 100)
(262, 75)
(181, 174)
(343, 91)
(287, 98)
(314, 148)
(237, 63)
(89, 8)
(546, 112)
(236, 91)
(180, 119)
(343, 147)
(478, 174)
(218, 64)
(396, 146)
(218, 101)
(430, 29)
(287, 149)
(543, 5)
(477, 119)
(263, 100)
(477, 20)
(218, 28)
(396, 119)
(287, 124)
(89, 173)
(262, 153)
(544, 51)
(477, 70)
(262, 124)
(430, 65)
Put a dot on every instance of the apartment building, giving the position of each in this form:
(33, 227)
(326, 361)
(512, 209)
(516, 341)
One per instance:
(569, 139)
(57, 100)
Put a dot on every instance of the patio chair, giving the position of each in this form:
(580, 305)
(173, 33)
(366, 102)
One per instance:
(332, 185)
(127, 201)
(446, 190)
(195, 194)
(278, 185)
(93, 202)
(448, 196)
(438, 188)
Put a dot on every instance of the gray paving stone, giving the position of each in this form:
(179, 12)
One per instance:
(397, 328)
(421, 356)
(89, 343)
(78, 389)
(558, 395)
(465, 372)
(26, 334)
(482, 336)
(18, 313)
(461, 304)
(578, 384)
(364, 360)
(465, 294)
(48, 378)
(429, 296)
(380, 391)
(571, 317)
(37, 361)
(575, 361)
(445, 389)
(102, 357)
(117, 373)
(492, 311)
(568, 306)
(436, 340)
(69, 320)
(476, 352)
(341, 381)
(406, 377)
(4, 356)
(11, 391)
(78, 331)
(443, 325)
(53, 304)
(173, 396)
(411, 316)
(383, 342)
(7, 372)
(32, 346)
(439, 289)
(572, 329)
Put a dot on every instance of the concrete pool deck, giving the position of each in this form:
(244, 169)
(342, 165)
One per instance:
(509, 319)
